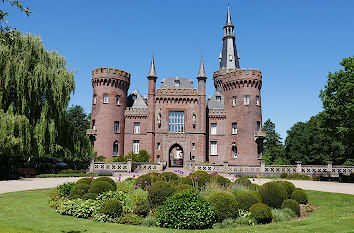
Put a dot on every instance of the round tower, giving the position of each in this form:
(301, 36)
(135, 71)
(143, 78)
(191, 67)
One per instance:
(110, 88)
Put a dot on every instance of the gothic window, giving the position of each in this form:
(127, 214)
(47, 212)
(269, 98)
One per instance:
(94, 99)
(234, 128)
(234, 101)
(116, 126)
(176, 122)
(117, 100)
(213, 128)
(257, 101)
(105, 98)
(158, 146)
(136, 127)
(136, 147)
(213, 148)
(246, 99)
(115, 148)
(234, 151)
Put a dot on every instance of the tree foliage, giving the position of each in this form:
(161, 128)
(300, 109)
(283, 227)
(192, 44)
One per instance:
(273, 152)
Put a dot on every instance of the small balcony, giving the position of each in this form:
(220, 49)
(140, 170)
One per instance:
(92, 132)
(259, 134)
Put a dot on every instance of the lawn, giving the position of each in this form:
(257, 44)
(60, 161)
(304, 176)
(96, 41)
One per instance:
(28, 211)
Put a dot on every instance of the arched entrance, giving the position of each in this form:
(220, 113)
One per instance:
(176, 156)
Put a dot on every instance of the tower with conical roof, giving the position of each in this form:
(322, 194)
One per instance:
(240, 90)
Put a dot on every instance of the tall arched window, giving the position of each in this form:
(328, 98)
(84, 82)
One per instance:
(234, 150)
(115, 148)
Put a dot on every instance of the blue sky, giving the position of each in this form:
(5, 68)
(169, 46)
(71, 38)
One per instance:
(294, 43)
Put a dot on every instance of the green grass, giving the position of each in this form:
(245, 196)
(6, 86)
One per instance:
(28, 211)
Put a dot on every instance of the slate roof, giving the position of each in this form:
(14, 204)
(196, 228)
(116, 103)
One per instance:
(213, 103)
(139, 101)
(170, 83)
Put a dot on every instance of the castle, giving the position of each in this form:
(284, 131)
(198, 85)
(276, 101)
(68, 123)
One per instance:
(176, 123)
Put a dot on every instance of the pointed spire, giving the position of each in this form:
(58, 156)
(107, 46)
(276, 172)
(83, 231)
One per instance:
(201, 73)
(228, 17)
(152, 72)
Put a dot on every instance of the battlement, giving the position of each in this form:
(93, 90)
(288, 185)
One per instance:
(136, 112)
(110, 73)
(247, 73)
(188, 91)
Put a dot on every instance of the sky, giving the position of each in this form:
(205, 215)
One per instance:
(294, 43)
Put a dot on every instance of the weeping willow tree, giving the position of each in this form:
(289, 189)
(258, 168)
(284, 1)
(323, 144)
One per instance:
(35, 86)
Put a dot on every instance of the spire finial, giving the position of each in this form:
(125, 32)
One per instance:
(228, 17)
(152, 72)
(201, 73)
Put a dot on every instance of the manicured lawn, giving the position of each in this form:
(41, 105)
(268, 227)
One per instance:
(27, 211)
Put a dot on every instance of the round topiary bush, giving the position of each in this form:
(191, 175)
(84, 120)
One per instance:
(257, 195)
(175, 183)
(273, 194)
(78, 190)
(112, 207)
(254, 187)
(243, 181)
(300, 196)
(148, 179)
(246, 199)
(186, 210)
(85, 180)
(283, 175)
(99, 187)
(159, 191)
(293, 205)
(289, 187)
(183, 188)
(261, 212)
(225, 205)
(203, 177)
(167, 176)
(107, 179)
(88, 196)
(220, 180)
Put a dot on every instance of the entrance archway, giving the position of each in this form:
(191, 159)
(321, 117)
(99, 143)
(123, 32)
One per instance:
(176, 156)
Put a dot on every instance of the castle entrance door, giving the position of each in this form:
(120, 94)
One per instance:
(176, 156)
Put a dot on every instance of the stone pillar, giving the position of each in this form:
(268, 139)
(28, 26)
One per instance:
(329, 167)
(262, 166)
(92, 166)
(129, 163)
(298, 166)
(226, 166)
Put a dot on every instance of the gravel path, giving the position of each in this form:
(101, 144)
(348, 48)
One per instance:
(43, 183)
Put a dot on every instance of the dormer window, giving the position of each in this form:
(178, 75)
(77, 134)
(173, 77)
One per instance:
(177, 83)
(133, 97)
(218, 98)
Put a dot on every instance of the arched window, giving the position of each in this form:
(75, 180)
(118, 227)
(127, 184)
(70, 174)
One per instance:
(115, 148)
(234, 150)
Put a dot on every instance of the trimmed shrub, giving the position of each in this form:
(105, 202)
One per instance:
(225, 205)
(293, 205)
(183, 188)
(257, 195)
(86, 180)
(220, 180)
(175, 183)
(89, 196)
(175, 213)
(283, 175)
(159, 191)
(167, 176)
(282, 215)
(289, 187)
(273, 194)
(148, 179)
(203, 178)
(64, 189)
(261, 213)
(107, 179)
(99, 187)
(78, 190)
(142, 208)
(112, 208)
(246, 199)
(300, 196)
(130, 219)
(254, 187)
(243, 181)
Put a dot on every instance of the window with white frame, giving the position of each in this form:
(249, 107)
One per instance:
(234, 128)
(176, 122)
(258, 101)
(158, 146)
(116, 126)
(136, 147)
(117, 99)
(105, 98)
(136, 127)
(94, 99)
(246, 100)
(213, 148)
(213, 128)
(258, 125)
(234, 101)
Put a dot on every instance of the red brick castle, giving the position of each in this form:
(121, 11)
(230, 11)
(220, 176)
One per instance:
(176, 123)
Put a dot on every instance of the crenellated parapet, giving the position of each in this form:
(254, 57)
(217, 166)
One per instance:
(110, 77)
(176, 99)
(136, 113)
(177, 91)
(217, 113)
(237, 78)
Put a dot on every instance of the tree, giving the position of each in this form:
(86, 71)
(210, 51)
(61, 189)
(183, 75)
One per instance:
(338, 101)
(273, 152)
